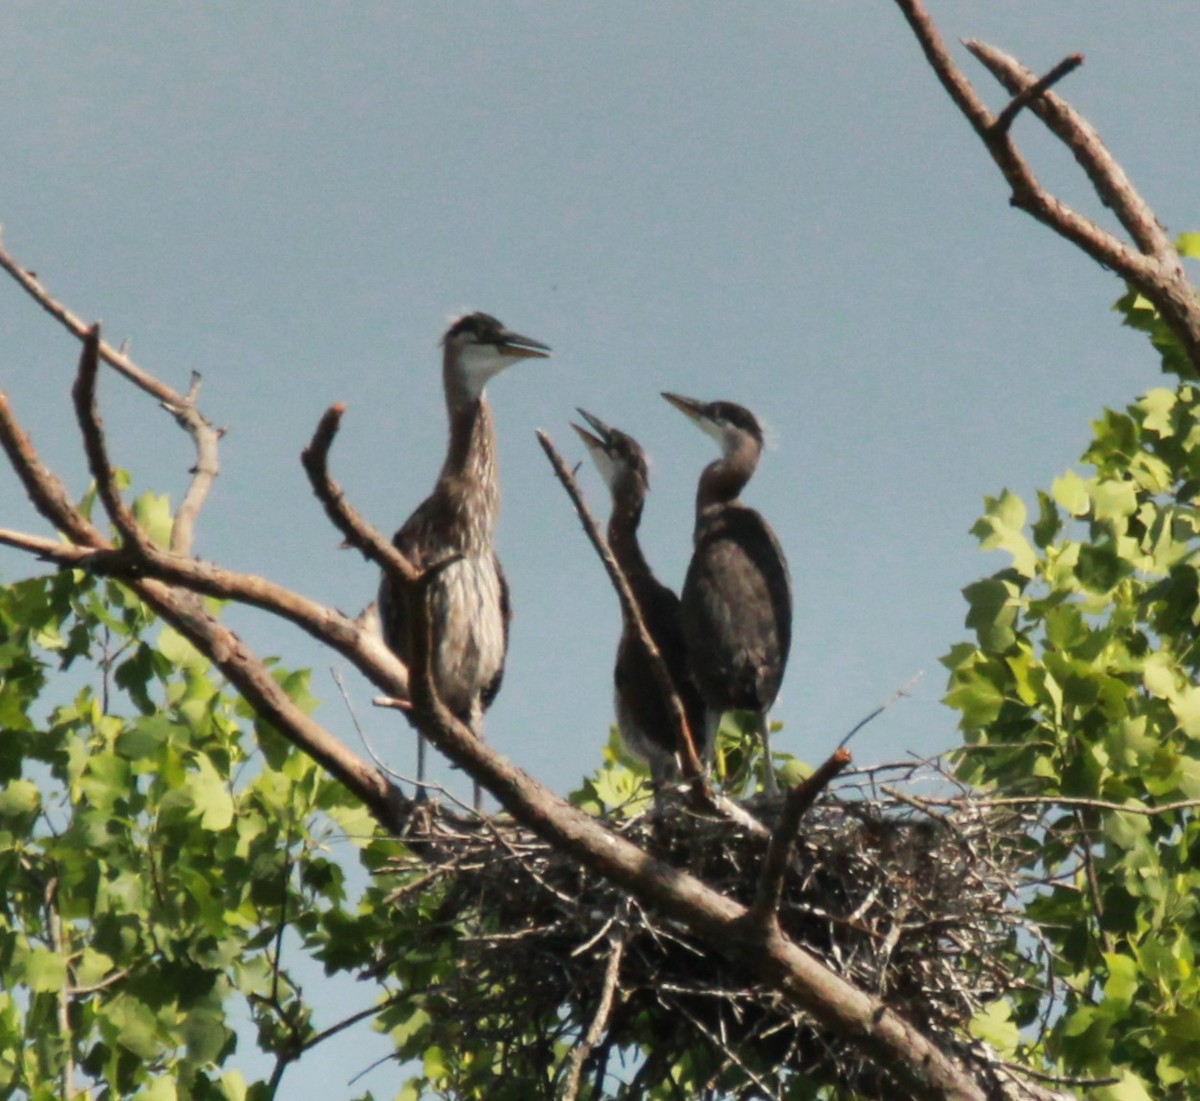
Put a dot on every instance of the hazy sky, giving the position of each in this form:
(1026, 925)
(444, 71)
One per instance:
(774, 204)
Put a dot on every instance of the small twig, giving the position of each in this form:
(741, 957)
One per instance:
(987, 802)
(903, 692)
(1026, 96)
(779, 852)
(204, 471)
(629, 606)
(596, 1029)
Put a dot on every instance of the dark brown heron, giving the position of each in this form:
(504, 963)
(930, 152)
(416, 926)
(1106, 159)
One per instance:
(469, 606)
(736, 604)
(643, 714)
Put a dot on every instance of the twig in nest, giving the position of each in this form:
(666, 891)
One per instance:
(903, 692)
(779, 851)
(599, 1025)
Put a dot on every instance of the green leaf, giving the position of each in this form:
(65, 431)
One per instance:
(994, 1025)
(1129, 1088)
(1071, 493)
(1114, 500)
(92, 967)
(20, 798)
(153, 513)
(1001, 528)
(179, 652)
(210, 795)
(45, 972)
(133, 1026)
(1122, 982)
(994, 604)
(1158, 675)
(161, 1089)
(1188, 244)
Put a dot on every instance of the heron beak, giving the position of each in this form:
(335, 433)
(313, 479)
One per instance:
(593, 443)
(522, 347)
(604, 434)
(689, 407)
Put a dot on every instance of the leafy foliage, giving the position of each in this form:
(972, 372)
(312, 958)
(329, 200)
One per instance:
(1081, 684)
(151, 857)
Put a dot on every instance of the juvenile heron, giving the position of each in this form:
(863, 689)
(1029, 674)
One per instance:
(643, 715)
(736, 604)
(468, 606)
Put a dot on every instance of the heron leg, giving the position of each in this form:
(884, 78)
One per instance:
(770, 784)
(475, 722)
(712, 723)
(422, 749)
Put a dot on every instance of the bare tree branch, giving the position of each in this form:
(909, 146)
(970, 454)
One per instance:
(604, 1004)
(92, 429)
(1033, 91)
(1154, 266)
(1074, 131)
(181, 406)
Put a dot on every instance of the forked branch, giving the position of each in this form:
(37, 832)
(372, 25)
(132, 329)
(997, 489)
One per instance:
(1152, 265)
(182, 407)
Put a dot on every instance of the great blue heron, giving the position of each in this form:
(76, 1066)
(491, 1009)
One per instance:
(643, 715)
(468, 606)
(736, 604)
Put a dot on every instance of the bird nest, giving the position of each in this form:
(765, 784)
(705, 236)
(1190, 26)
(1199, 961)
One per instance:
(911, 905)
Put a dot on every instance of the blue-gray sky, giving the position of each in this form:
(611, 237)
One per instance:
(774, 204)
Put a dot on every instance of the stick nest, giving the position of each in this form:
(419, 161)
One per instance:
(911, 905)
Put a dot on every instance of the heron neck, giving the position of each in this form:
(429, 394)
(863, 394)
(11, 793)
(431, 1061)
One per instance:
(623, 536)
(724, 479)
(469, 476)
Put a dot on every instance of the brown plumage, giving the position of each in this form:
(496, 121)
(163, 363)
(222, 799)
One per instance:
(736, 604)
(469, 602)
(643, 716)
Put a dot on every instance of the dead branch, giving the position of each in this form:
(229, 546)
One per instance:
(599, 1024)
(1033, 91)
(1153, 266)
(181, 406)
(779, 851)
